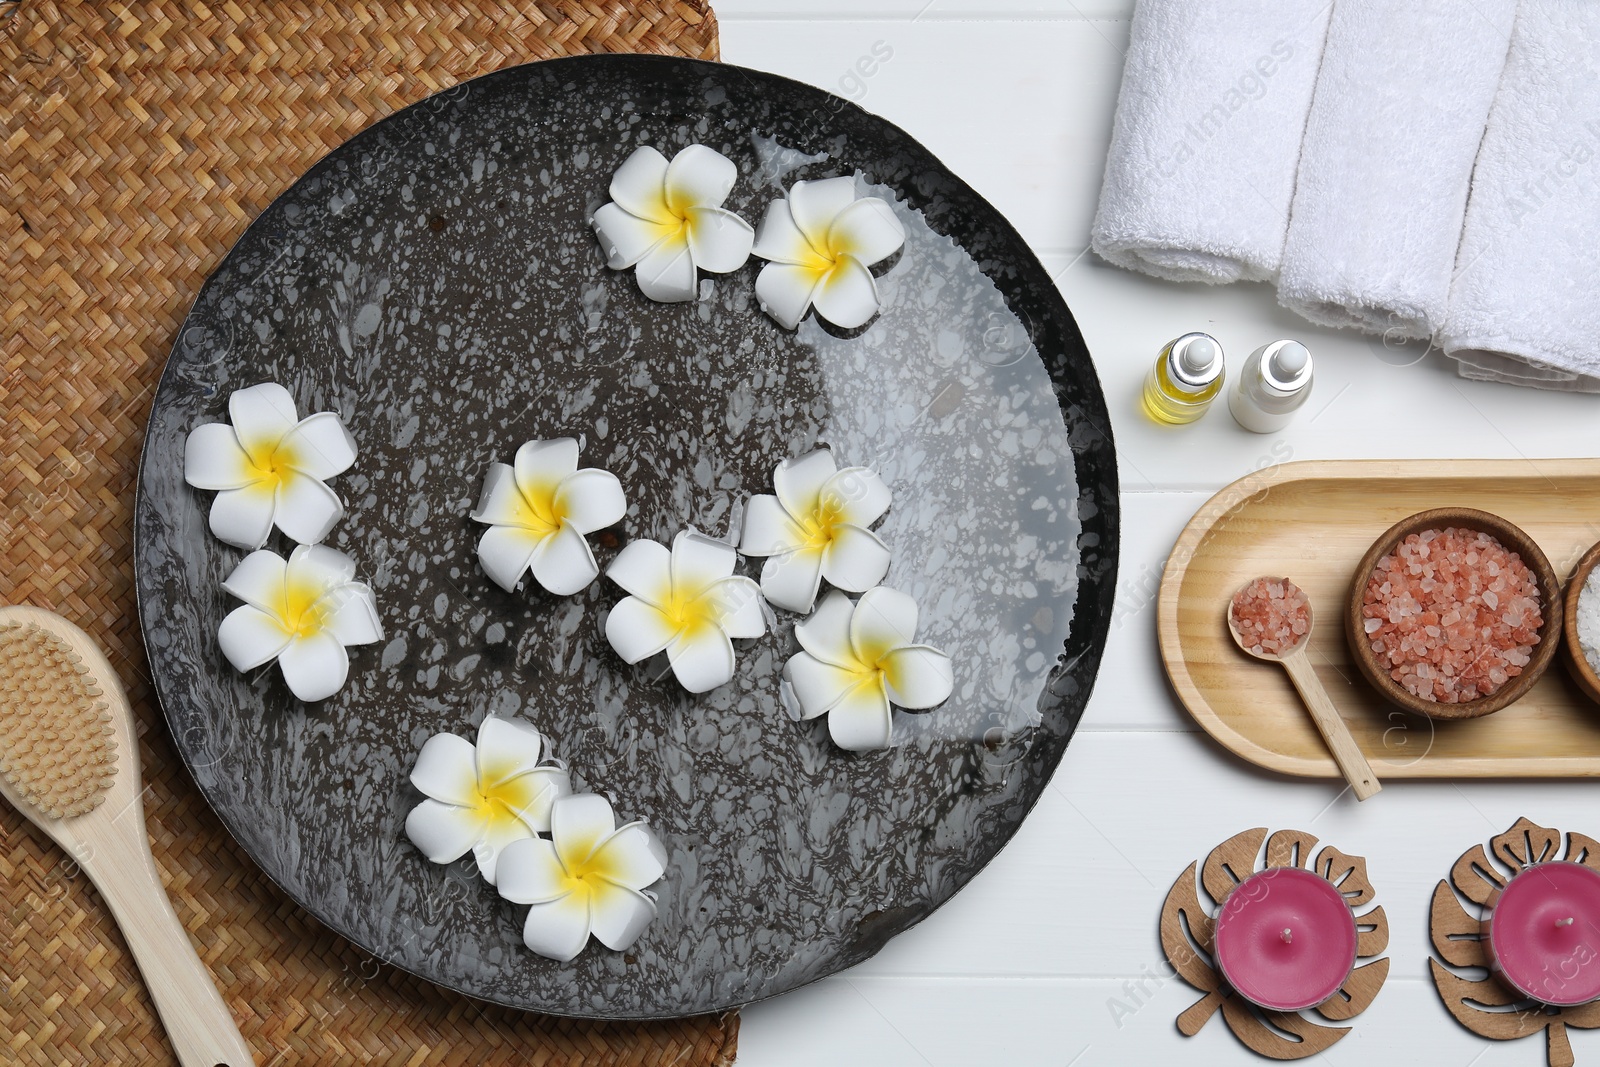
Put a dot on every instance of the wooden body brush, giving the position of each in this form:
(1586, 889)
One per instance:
(69, 762)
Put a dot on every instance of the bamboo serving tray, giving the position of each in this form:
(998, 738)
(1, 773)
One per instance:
(1313, 521)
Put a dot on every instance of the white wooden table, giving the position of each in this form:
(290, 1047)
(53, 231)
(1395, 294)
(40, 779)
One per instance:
(1050, 956)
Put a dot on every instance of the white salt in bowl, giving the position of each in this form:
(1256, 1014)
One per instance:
(1513, 538)
(1578, 664)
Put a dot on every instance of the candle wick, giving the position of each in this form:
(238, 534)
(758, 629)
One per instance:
(1288, 935)
(1564, 922)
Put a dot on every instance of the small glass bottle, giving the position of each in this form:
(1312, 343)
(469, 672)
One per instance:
(1186, 378)
(1275, 382)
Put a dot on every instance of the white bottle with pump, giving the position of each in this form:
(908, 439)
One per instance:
(1275, 382)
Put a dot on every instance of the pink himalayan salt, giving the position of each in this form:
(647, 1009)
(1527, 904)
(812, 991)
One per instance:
(1452, 614)
(1272, 616)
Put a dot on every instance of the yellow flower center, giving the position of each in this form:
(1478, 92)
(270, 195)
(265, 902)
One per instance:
(874, 663)
(302, 613)
(582, 875)
(500, 803)
(819, 527)
(823, 256)
(538, 509)
(674, 227)
(869, 673)
(273, 463)
(689, 615)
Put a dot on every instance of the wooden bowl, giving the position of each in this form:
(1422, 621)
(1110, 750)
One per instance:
(1577, 665)
(1513, 538)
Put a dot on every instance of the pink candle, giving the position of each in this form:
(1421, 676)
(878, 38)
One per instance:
(1286, 939)
(1542, 933)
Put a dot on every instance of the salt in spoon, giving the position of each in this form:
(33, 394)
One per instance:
(1297, 661)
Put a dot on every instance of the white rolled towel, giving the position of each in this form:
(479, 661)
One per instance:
(1401, 104)
(1525, 304)
(1202, 163)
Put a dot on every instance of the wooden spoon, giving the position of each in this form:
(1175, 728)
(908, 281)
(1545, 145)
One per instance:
(1297, 661)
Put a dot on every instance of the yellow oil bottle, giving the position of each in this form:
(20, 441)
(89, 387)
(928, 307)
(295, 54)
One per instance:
(1186, 377)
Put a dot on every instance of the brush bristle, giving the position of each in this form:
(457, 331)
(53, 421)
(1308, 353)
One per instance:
(56, 746)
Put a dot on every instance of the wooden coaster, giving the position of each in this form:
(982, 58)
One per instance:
(1187, 932)
(1456, 941)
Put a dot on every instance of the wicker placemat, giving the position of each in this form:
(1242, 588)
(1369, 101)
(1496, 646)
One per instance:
(138, 139)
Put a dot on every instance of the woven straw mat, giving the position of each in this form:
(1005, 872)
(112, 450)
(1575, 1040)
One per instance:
(138, 140)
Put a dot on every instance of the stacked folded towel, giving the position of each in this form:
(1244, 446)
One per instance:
(1402, 98)
(1208, 128)
(1524, 307)
(1345, 174)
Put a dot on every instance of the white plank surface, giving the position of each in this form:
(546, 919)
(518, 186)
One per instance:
(945, 81)
(1069, 1022)
(1032, 963)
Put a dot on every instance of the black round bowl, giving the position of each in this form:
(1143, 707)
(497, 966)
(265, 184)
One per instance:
(434, 280)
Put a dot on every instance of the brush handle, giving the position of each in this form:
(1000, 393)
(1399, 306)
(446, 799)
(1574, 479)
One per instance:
(1346, 753)
(112, 846)
(117, 857)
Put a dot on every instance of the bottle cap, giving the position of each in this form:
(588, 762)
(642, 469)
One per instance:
(1195, 359)
(1286, 366)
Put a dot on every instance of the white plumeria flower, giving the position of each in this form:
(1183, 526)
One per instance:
(821, 240)
(482, 798)
(860, 658)
(302, 612)
(666, 220)
(268, 468)
(816, 528)
(587, 878)
(687, 602)
(538, 512)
